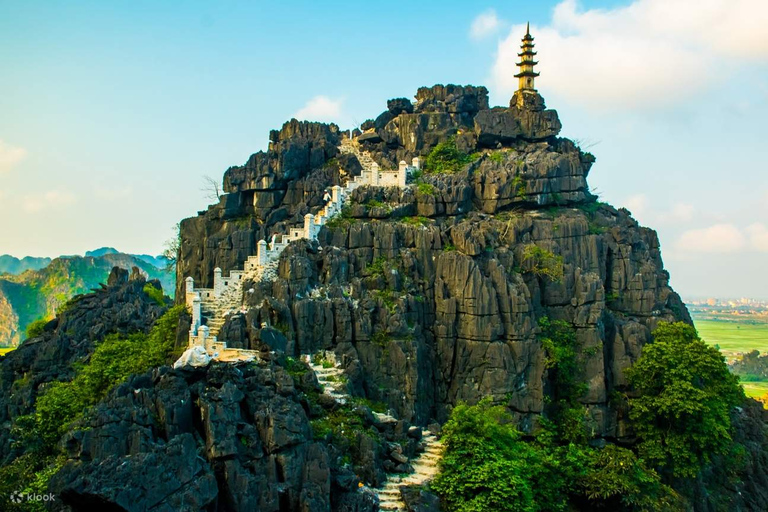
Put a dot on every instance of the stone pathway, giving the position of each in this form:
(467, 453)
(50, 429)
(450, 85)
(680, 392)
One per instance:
(211, 306)
(331, 376)
(425, 467)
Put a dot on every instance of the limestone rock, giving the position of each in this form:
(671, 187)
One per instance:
(451, 98)
(293, 150)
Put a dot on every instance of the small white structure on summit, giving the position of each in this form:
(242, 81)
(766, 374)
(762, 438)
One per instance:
(215, 303)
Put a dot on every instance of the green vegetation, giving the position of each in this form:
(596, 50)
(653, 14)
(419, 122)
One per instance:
(381, 338)
(62, 404)
(343, 219)
(496, 156)
(682, 417)
(425, 189)
(374, 203)
(449, 248)
(733, 337)
(377, 268)
(680, 412)
(5, 350)
(519, 183)
(28, 474)
(415, 221)
(558, 339)
(446, 158)
(388, 297)
(112, 362)
(35, 329)
(542, 262)
(756, 389)
(172, 247)
(592, 207)
(43, 293)
(488, 466)
(156, 294)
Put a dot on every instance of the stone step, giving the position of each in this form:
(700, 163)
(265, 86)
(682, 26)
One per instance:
(384, 505)
(327, 371)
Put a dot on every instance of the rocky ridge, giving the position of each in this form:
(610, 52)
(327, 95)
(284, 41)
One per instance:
(417, 299)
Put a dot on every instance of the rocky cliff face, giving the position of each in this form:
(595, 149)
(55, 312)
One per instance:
(225, 438)
(444, 269)
(119, 308)
(428, 296)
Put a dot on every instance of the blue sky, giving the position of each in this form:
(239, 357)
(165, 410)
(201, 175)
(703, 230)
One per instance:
(111, 112)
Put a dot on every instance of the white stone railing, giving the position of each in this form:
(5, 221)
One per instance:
(269, 252)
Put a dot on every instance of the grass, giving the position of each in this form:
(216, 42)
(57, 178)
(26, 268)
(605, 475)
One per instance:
(734, 338)
(755, 389)
(425, 189)
(415, 221)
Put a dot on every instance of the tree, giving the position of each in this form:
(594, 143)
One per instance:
(485, 466)
(211, 188)
(172, 248)
(682, 416)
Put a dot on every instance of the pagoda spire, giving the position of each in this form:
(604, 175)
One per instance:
(527, 75)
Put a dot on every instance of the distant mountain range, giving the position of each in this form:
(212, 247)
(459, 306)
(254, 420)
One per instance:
(13, 265)
(33, 288)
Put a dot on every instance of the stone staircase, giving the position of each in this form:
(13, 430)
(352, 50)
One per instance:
(331, 376)
(211, 306)
(425, 467)
(351, 146)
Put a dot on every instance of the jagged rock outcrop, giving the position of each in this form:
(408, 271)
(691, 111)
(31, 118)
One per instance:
(456, 299)
(293, 150)
(224, 437)
(433, 294)
(121, 307)
(459, 306)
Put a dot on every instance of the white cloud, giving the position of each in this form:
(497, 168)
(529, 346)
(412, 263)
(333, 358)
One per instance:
(719, 238)
(648, 53)
(637, 205)
(46, 200)
(320, 108)
(10, 156)
(758, 236)
(682, 212)
(484, 25)
(645, 213)
(112, 194)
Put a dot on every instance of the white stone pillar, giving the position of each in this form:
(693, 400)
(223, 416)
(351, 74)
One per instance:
(196, 314)
(308, 225)
(375, 174)
(261, 252)
(417, 163)
(336, 192)
(202, 336)
(402, 174)
(190, 290)
(218, 284)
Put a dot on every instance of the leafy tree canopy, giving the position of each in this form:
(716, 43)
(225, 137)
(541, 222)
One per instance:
(682, 416)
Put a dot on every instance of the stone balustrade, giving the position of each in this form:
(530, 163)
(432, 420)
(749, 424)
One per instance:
(269, 252)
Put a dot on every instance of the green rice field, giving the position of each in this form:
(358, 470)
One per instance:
(734, 337)
(755, 389)
(5, 350)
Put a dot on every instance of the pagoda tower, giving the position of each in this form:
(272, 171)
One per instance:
(526, 74)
